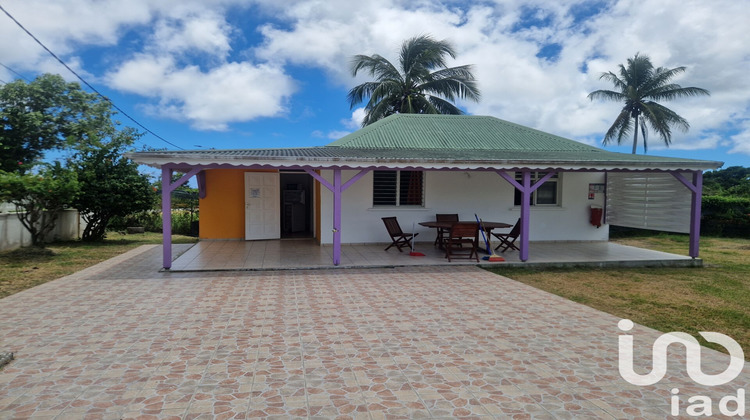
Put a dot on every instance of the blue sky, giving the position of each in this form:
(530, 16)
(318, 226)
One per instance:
(251, 74)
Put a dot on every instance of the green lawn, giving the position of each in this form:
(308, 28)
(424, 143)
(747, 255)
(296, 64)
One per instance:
(715, 297)
(24, 268)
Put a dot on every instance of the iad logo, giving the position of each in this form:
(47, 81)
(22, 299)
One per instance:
(702, 404)
(693, 356)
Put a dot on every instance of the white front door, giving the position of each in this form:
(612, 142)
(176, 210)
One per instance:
(262, 214)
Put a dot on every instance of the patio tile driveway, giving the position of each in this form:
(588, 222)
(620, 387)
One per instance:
(121, 340)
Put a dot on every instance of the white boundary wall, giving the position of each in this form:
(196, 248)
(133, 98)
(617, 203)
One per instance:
(14, 235)
(465, 193)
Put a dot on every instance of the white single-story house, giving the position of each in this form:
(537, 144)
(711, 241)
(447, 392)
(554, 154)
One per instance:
(416, 166)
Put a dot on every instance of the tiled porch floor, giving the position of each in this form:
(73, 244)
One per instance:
(289, 254)
(123, 340)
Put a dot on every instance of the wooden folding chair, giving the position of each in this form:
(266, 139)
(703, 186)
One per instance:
(507, 240)
(398, 237)
(443, 232)
(462, 241)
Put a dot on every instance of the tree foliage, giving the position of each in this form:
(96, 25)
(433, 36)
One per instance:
(47, 113)
(422, 84)
(39, 197)
(639, 86)
(110, 184)
(724, 215)
(732, 181)
(726, 202)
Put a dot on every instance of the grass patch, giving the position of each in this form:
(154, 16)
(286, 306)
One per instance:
(715, 297)
(23, 268)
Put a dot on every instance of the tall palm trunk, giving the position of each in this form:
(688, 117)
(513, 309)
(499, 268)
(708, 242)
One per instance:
(635, 134)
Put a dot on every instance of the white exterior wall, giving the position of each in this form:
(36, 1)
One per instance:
(465, 193)
(14, 235)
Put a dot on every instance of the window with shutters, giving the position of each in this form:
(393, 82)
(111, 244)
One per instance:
(398, 188)
(548, 194)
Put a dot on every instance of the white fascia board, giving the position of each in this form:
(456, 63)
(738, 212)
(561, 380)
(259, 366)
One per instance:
(178, 160)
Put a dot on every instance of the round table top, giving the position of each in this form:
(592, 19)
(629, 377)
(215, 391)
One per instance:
(447, 225)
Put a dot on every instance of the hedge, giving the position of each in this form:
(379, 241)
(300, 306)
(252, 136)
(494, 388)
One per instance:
(725, 216)
(183, 222)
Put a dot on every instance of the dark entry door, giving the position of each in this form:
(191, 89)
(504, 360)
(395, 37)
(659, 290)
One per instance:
(296, 205)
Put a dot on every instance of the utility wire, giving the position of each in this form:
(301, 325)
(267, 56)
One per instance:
(13, 71)
(27, 79)
(85, 82)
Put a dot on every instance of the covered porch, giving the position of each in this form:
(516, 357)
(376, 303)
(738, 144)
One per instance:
(307, 254)
(462, 164)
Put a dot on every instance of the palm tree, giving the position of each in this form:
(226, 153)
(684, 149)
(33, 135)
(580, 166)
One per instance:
(421, 85)
(639, 86)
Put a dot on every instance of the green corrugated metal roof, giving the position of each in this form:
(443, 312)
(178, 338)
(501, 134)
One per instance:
(438, 141)
(455, 132)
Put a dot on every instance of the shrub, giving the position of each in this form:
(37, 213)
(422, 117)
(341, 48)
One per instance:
(110, 183)
(151, 220)
(39, 198)
(725, 216)
(181, 220)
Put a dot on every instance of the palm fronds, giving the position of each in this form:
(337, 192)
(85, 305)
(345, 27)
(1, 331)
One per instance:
(423, 84)
(639, 86)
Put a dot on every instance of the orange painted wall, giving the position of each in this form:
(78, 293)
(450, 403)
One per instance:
(222, 212)
(223, 209)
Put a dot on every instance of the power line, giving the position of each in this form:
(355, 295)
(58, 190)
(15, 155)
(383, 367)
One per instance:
(13, 71)
(27, 79)
(85, 82)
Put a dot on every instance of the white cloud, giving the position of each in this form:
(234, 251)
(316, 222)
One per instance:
(707, 37)
(328, 34)
(697, 142)
(331, 135)
(741, 140)
(206, 34)
(337, 134)
(355, 122)
(351, 124)
(190, 65)
(210, 97)
(209, 100)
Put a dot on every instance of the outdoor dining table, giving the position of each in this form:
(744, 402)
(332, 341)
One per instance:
(488, 226)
